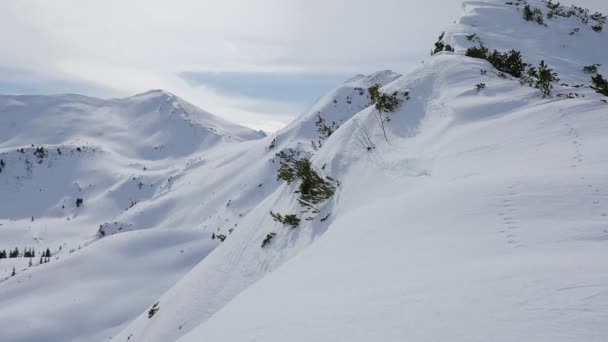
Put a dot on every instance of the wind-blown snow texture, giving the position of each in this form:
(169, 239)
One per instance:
(482, 217)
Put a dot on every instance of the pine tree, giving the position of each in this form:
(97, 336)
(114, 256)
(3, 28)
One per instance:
(13, 274)
(600, 85)
(546, 78)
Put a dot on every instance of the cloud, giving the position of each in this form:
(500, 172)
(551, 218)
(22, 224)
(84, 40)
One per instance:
(125, 47)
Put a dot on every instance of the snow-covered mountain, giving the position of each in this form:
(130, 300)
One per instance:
(464, 205)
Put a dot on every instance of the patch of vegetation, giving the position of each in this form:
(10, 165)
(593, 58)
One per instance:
(533, 14)
(600, 85)
(272, 144)
(480, 52)
(153, 310)
(546, 79)
(591, 69)
(268, 239)
(220, 237)
(542, 78)
(313, 189)
(480, 86)
(79, 202)
(40, 152)
(287, 171)
(2, 165)
(288, 220)
(324, 130)
(473, 38)
(508, 62)
(384, 102)
(556, 9)
(441, 46)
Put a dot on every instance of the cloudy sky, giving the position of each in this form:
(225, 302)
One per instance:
(258, 63)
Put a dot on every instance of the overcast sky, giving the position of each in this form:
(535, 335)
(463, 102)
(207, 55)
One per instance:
(258, 63)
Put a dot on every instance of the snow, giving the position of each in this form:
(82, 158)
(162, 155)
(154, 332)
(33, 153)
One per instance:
(482, 216)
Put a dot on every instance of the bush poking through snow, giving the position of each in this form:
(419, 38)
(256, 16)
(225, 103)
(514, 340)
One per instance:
(533, 14)
(600, 84)
(441, 46)
(546, 79)
(79, 202)
(591, 69)
(313, 189)
(480, 52)
(507, 62)
(324, 131)
(288, 220)
(286, 170)
(268, 239)
(153, 310)
(480, 86)
(542, 78)
(383, 102)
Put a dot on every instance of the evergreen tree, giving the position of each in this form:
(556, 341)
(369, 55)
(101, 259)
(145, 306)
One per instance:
(600, 84)
(13, 273)
(546, 78)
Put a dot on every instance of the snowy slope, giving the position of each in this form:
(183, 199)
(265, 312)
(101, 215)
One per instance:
(122, 157)
(481, 218)
(240, 261)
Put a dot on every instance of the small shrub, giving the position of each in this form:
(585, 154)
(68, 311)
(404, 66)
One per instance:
(268, 239)
(153, 310)
(40, 152)
(383, 102)
(79, 202)
(533, 14)
(324, 130)
(289, 220)
(313, 189)
(597, 28)
(439, 45)
(286, 170)
(477, 52)
(591, 69)
(546, 79)
(480, 86)
(600, 85)
(472, 37)
(506, 62)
